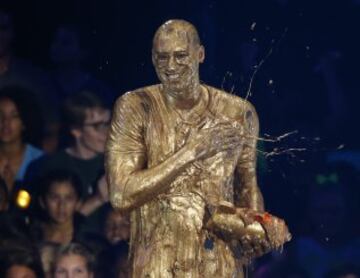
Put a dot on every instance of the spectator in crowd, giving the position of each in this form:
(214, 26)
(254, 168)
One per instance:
(60, 196)
(117, 227)
(67, 53)
(86, 120)
(74, 259)
(113, 258)
(19, 260)
(19, 126)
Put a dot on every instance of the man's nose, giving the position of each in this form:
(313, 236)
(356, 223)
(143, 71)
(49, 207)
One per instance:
(171, 63)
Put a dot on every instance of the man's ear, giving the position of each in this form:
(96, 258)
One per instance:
(76, 132)
(153, 58)
(201, 54)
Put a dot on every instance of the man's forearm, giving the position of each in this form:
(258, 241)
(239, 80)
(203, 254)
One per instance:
(127, 193)
(247, 192)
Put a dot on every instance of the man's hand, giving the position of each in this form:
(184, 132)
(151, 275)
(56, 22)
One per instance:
(257, 233)
(207, 142)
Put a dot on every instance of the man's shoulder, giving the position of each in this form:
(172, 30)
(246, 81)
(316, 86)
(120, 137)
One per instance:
(139, 94)
(229, 104)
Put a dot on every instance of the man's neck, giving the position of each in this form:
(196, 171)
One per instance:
(186, 100)
(81, 152)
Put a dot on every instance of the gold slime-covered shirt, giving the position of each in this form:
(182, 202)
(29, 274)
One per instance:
(168, 237)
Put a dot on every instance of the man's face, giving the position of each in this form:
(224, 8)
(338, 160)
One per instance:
(61, 202)
(92, 135)
(176, 60)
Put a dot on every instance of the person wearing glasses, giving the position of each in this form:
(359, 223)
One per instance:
(181, 158)
(86, 121)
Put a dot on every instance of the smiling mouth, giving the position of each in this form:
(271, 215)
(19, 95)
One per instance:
(172, 76)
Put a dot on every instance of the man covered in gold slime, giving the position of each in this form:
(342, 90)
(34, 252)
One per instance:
(181, 157)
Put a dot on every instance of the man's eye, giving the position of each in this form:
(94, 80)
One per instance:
(182, 56)
(162, 57)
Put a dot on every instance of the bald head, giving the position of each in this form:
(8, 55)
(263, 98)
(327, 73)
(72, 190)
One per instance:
(176, 55)
(178, 27)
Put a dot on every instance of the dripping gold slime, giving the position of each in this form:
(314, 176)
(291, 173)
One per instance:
(181, 159)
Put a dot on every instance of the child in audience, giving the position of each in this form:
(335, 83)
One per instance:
(60, 197)
(74, 259)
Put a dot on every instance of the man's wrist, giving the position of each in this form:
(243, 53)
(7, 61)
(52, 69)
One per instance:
(189, 154)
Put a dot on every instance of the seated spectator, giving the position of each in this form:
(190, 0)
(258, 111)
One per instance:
(113, 261)
(74, 259)
(19, 261)
(87, 120)
(19, 125)
(59, 197)
(117, 227)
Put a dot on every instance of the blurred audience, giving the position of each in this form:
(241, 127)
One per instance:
(59, 197)
(117, 227)
(74, 260)
(86, 121)
(19, 126)
(113, 261)
(19, 261)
